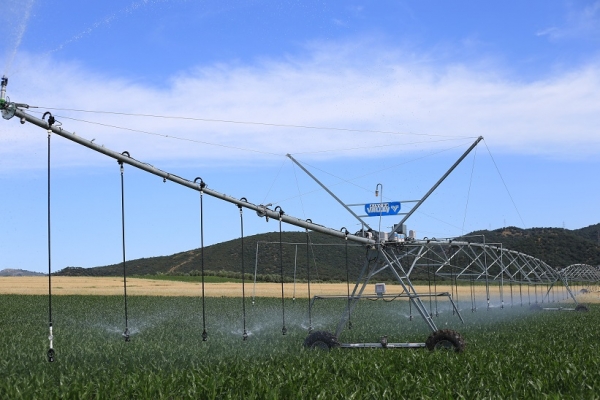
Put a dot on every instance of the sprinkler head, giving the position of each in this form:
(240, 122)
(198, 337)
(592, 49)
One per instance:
(245, 336)
(126, 334)
(204, 336)
(384, 342)
(51, 355)
(3, 84)
(283, 331)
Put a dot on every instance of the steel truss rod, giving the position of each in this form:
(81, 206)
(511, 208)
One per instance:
(363, 223)
(261, 210)
(434, 187)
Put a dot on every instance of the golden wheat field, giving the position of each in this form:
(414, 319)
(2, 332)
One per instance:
(113, 286)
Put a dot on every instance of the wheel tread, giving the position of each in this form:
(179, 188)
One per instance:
(446, 335)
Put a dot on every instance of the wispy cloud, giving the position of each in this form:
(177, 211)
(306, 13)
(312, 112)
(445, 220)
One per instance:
(580, 22)
(352, 86)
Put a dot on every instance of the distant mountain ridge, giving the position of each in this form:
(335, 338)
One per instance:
(19, 272)
(556, 246)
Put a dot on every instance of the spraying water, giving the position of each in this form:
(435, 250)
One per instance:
(17, 12)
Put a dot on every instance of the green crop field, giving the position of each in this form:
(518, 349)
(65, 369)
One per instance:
(511, 353)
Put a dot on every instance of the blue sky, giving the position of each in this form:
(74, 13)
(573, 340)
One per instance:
(419, 80)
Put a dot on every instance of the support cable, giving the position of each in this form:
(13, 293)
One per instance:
(283, 329)
(504, 183)
(51, 353)
(462, 231)
(202, 186)
(435, 289)
(487, 277)
(410, 316)
(511, 291)
(456, 282)
(245, 334)
(347, 277)
(452, 282)
(473, 302)
(502, 280)
(126, 332)
(310, 327)
(429, 277)
(521, 288)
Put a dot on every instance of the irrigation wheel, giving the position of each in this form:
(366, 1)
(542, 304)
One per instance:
(445, 339)
(535, 307)
(582, 307)
(321, 340)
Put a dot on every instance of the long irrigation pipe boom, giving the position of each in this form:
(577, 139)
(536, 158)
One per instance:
(10, 110)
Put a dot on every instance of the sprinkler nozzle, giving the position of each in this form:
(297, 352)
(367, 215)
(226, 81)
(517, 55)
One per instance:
(384, 342)
(204, 336)
(245, 336)
(283, 331)
(126, 334)
(51, 355)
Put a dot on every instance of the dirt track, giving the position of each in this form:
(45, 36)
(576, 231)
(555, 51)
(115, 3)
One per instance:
(149, 287)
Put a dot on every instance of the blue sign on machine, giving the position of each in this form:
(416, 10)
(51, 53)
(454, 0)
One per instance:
(377, 209)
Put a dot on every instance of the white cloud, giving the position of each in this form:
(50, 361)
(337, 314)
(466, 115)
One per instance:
(354, 86)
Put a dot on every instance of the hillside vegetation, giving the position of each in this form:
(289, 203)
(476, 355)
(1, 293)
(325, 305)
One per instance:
(556, 246)
(327, 255)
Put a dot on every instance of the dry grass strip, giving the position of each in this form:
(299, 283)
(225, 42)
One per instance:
(113, 286)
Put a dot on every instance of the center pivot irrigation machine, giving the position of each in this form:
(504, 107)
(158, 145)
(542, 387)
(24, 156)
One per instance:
(397, 253)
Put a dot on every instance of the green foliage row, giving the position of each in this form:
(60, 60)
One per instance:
(557, 247)
(224, 276)
(511, 353)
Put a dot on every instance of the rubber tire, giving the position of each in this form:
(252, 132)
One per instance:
(535, 307)
(321, 340)
(582, 307)
(445, 339)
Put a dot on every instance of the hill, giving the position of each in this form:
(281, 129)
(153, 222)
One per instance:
(19, 272)
(558, 247)
(591, 232)
(327, 257)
